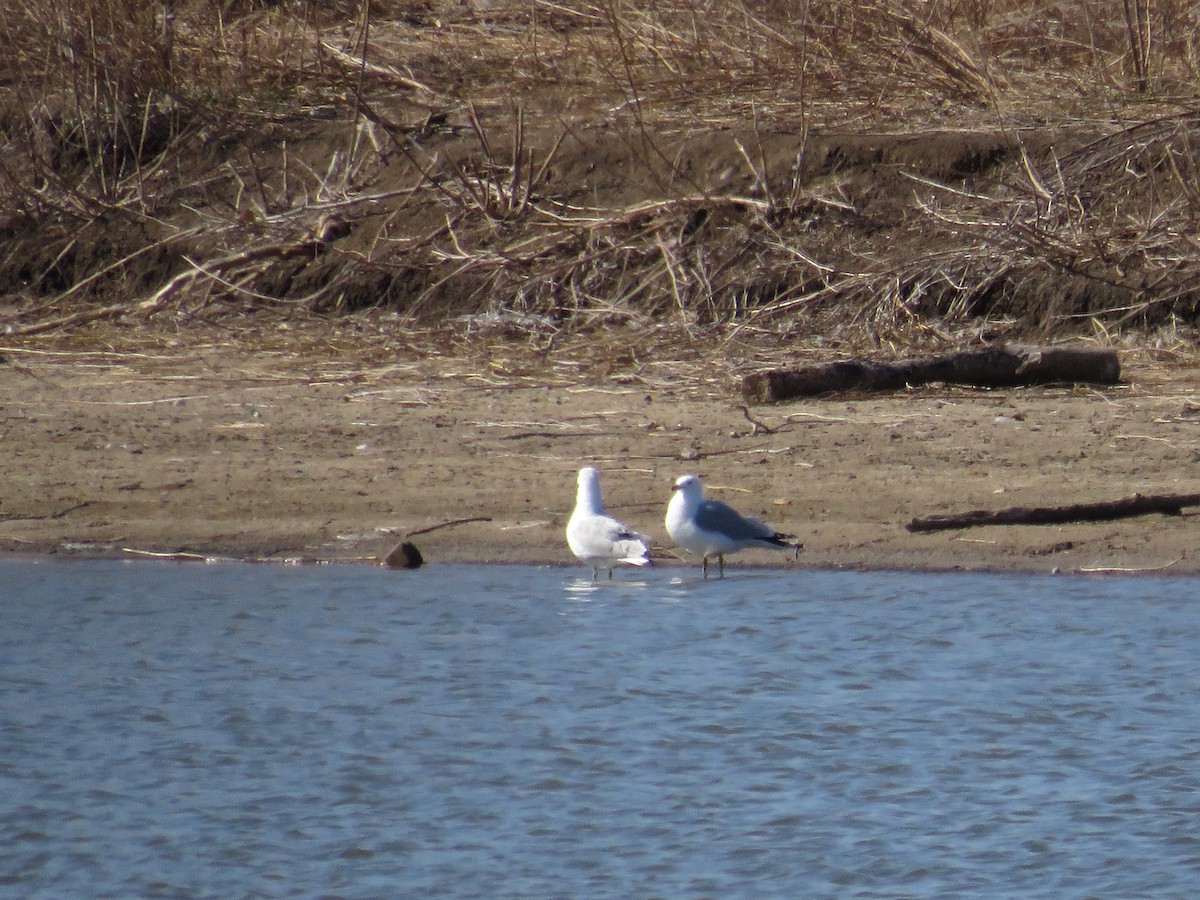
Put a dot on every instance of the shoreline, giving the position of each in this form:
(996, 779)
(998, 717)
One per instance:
(53, 555)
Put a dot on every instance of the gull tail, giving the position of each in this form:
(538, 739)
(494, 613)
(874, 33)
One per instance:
(779, 540)
(784, 542)
(633, 551)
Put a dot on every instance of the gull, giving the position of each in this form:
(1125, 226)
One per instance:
(597, 538)
(711, 527)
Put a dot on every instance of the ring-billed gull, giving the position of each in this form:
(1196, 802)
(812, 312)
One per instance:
(710, 527)
(597, 538)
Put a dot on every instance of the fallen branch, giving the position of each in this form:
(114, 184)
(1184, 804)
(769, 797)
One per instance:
(1002, 366)
(1126, 507)
(757, 425)
(311, 243)
(173, 555)
(449, 524)
(18, 517)
(1127, 570)
(389, 73)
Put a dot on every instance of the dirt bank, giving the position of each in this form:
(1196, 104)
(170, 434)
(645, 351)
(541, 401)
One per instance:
(336, 441)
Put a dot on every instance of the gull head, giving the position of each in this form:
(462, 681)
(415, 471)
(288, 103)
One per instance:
(688, 486)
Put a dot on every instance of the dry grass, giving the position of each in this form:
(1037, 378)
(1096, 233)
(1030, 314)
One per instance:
(546, 169)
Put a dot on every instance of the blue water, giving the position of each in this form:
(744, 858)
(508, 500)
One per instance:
(509, 731)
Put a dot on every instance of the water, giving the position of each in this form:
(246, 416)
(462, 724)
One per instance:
(471, 731)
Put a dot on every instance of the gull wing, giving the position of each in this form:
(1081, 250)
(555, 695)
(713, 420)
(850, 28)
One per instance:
(713, 515)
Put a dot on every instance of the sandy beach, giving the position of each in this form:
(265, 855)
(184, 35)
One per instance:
(325, 444)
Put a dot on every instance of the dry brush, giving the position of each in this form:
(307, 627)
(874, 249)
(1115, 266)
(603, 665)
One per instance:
(868, 166)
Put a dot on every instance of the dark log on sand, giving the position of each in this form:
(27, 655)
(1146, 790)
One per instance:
(1002, 366)
(1136, 505)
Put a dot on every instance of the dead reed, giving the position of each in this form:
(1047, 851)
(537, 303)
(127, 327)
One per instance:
(882, 170)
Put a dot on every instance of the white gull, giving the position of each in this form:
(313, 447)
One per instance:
(597, 538)
(713, 528)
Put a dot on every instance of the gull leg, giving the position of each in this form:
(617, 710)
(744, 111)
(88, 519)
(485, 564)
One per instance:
(704, 566)
(610, 574)
(721, 564)
(595, 573)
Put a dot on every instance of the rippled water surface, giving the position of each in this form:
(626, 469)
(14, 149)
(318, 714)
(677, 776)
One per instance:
(506, 731)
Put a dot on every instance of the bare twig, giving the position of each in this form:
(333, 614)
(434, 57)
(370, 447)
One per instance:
(449, 524)
(19, 517)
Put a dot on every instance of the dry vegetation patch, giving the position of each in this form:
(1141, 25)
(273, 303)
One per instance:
(878, 173)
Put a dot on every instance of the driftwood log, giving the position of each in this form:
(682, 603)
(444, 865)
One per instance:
(1001, 366)
(1135, 505)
